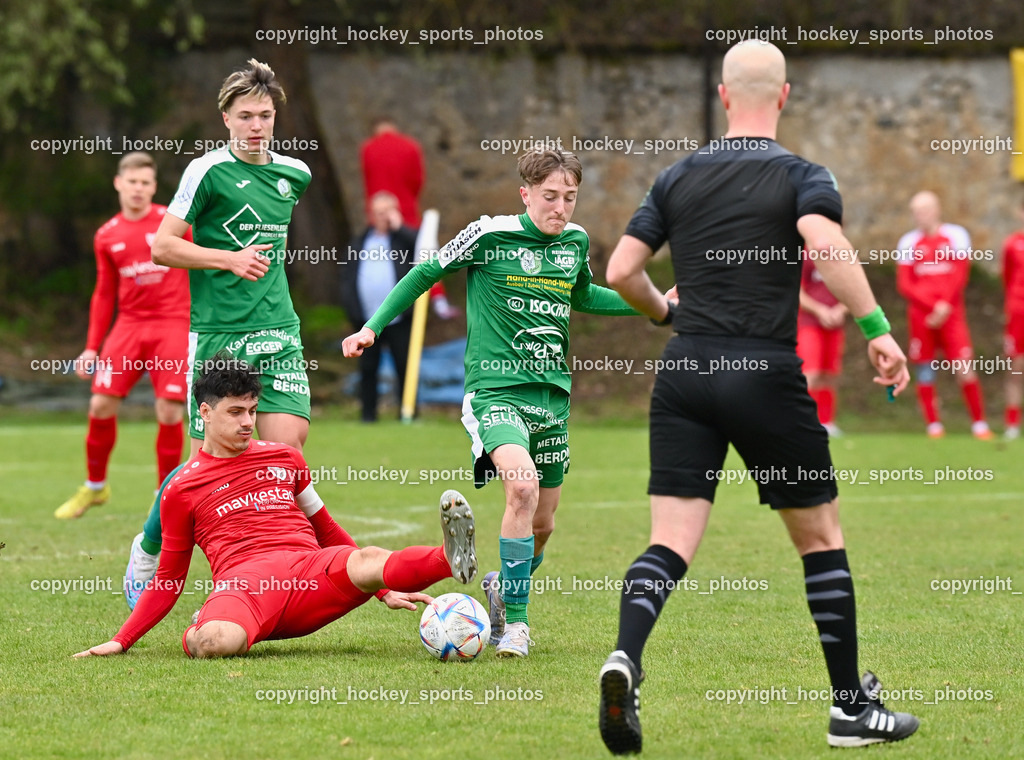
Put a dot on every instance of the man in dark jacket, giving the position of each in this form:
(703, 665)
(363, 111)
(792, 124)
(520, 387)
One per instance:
(377, 259)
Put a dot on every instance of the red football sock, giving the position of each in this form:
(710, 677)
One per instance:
(415, 568)
(1013, 416)
(926, 397)
(972, 396)
(826, 405)
(169, 439)
(99, 442)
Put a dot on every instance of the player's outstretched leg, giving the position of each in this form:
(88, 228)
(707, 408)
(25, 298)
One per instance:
(618, 714)
(459, 531)
(144, 556)
(872, 726)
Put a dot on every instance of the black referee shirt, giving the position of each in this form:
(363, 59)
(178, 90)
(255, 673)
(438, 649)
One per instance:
(729, 214)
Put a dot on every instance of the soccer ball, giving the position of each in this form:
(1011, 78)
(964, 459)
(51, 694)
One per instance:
(455, 626)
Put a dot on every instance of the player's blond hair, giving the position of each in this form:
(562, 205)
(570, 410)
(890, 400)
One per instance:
(137, 159)
(536, 165)
(258, 80)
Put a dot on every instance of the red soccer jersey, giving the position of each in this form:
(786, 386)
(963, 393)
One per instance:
(394, 162)
(813, 285)
(934, 268)
(127, 278)
(237, 509)
(1013, 272)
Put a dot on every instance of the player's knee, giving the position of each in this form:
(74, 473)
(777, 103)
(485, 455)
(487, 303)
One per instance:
(365, 568)
(101, 407)
(522, 494)
(169, 412)
(925, 374)
(218, 639)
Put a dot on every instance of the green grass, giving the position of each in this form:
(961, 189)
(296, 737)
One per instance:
(154, 703)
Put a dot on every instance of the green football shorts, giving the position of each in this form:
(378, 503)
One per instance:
(533, 415)
(276, 354)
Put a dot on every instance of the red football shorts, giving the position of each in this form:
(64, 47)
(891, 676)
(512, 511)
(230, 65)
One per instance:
(953, 338)
(159, 347)
(285, 594)
(821, 349)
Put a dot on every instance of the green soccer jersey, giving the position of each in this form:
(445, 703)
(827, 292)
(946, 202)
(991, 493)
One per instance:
(521, 286)
(231, 205)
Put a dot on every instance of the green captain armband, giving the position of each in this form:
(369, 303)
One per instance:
(874, 324)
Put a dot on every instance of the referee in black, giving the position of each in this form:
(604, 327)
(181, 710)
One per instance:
(736, 215)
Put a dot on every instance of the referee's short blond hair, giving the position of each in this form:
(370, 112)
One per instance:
(258, 80)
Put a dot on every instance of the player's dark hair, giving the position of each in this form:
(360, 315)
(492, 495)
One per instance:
(137, 159)
(257, 80)
(536, 165)
(223, 375)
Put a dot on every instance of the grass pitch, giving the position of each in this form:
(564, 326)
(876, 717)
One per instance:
(734, 673)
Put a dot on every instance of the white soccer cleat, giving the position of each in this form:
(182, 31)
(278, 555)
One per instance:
(515, 642)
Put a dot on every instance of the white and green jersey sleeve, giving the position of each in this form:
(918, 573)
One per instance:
(231, 205)
(521, 287)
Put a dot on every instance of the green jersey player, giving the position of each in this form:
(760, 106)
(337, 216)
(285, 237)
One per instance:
(524, 275)
(238, 201)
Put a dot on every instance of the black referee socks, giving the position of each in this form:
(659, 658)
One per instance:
(649, 580)
(830, 597)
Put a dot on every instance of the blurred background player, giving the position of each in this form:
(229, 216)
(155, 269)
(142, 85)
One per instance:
(1013, 281)
(151, 332)
(282, 567)
(377, 259)
(820, 340)
(932, 274)
(524, 275)
(393, 162)
(239, 201)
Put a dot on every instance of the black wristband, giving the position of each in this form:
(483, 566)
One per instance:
(668, 317)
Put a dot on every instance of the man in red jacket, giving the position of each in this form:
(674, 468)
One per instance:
(150, 334)
(281, 566)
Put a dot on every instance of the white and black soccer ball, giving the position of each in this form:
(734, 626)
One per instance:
(455, 627)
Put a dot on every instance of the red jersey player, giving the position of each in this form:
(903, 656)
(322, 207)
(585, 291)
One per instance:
(931, 275)
(820, 340)
(150, 334)
(282, 567)
(1013, 280)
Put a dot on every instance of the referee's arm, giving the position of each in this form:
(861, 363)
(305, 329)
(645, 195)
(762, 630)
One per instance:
(627, 274)
(836, 260)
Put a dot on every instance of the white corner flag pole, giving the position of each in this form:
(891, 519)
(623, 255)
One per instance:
(426, 245)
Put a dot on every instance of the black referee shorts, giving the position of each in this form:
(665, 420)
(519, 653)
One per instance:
(750, 392)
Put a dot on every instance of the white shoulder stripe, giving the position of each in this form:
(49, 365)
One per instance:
(294, 163)
(191, 179)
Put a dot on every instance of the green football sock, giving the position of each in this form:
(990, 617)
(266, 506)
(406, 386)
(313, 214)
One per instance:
(516, 559)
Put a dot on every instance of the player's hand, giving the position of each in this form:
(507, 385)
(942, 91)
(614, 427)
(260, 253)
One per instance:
(832, 317)
(354, 344)
(672, 295)
(85, 364)
(939, 315)
(250, 263)
(111, 647)
(403, 600)
(887, 357)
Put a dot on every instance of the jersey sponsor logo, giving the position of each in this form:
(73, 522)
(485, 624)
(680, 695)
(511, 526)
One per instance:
(549, 307)
(267, 498)
(243, 183)
(263, 347)
(240, 223)
(117, 247)
(544, 342)
(139, 268)
(173, 388)
(564, 259)
(516, 304)
(284, 187)
(220, 488)
(530, 261)
(503, 416)
(551, 457)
